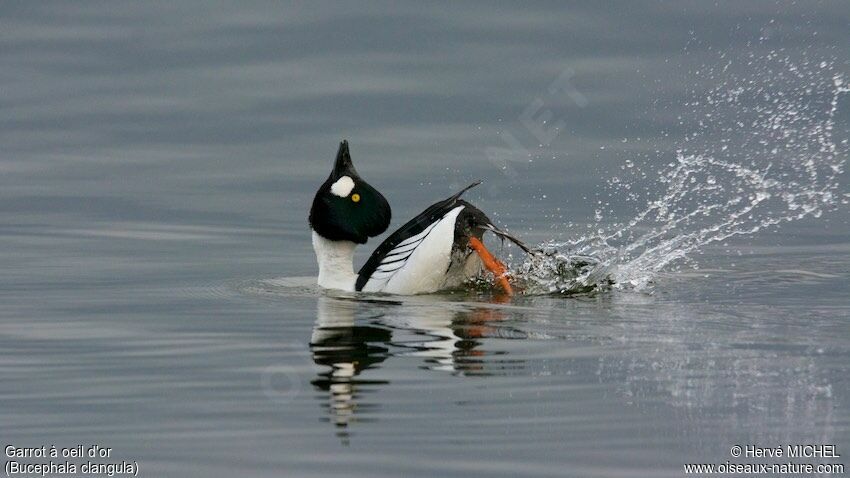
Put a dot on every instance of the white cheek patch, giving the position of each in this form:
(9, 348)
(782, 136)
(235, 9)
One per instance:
(342, 187)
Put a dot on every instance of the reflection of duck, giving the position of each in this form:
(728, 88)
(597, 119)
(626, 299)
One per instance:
(448, 339)
(446, 335)
(347, 350)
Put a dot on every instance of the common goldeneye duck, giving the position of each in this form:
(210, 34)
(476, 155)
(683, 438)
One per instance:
(438, 249)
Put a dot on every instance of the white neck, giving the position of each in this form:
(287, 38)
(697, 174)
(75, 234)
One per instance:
(336, 263)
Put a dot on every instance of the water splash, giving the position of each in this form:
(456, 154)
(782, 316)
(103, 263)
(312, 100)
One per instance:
(764, 154)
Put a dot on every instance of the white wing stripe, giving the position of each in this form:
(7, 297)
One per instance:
(409, 244)
(418, 237)
(395, 254)
(381, 275)
(393, 265)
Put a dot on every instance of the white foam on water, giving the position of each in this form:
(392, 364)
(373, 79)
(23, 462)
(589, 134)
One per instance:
(764, 154)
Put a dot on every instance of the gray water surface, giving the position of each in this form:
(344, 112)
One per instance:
(158, 290)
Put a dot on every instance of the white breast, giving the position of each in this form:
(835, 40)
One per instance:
(418, 264)
(335, 263)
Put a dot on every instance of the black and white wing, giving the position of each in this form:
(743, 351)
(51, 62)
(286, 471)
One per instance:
(415, 257)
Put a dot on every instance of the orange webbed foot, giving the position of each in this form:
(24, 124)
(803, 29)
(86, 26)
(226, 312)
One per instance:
(492, 264)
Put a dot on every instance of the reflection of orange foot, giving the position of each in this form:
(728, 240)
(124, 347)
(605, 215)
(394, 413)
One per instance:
(492, 264)
(479, 318)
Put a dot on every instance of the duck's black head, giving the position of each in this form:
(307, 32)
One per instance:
(347, 208)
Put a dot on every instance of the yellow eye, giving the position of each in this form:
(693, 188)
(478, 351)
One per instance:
(355, 197)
